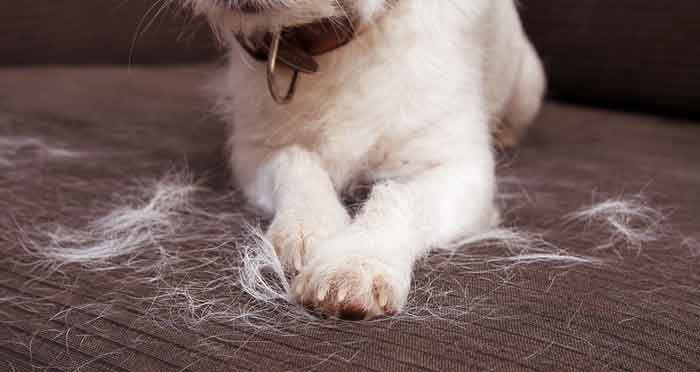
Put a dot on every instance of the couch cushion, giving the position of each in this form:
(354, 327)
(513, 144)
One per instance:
(626, 53)
(74, 140)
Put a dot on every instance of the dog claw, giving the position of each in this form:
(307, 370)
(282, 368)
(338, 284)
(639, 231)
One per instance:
(300, 286)
(297, 261)
(382, 299)
(342, 294)
(322, 293)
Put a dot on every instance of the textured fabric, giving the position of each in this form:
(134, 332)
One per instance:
(101, 31)
(636, 310)
(626, 53)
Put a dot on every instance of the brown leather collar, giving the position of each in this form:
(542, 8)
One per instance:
(298, 45)
(296, 48)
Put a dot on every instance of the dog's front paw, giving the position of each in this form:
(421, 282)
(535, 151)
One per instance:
(295, 239)
(352, 287)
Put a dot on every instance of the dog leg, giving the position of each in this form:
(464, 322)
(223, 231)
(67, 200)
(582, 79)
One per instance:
(365, 270)
(294, 186)
(525, 101)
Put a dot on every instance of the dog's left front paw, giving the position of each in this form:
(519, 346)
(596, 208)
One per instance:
(295, 238)
(352, 287)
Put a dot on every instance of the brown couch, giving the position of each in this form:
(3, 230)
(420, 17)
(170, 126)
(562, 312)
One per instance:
(89, 133)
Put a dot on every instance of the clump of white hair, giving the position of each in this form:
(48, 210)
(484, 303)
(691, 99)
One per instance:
(620, 224)
(144, 229)
(521, 247)
(127, 229)
(137, 226)
(18, 150)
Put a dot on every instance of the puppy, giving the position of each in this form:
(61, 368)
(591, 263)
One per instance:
(400, 94)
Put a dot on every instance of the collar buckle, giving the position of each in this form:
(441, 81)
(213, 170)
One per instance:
(271, 80)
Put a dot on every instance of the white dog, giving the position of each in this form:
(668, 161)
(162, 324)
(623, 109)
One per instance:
(406, 96)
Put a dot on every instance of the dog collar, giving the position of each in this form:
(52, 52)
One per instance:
(296, 48)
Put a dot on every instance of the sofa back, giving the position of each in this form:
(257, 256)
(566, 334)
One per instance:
(623, 53)
(100, 31)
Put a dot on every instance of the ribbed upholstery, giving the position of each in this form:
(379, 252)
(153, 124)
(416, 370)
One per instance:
(633, 311)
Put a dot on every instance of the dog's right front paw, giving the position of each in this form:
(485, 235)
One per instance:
(353, 287)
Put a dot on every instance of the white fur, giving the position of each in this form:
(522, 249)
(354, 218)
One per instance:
(630, 223)
(408, 105)
(125, 230)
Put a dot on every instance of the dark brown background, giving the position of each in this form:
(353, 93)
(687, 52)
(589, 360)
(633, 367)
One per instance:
(640, 55)
(623, 53)
(100, 31)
